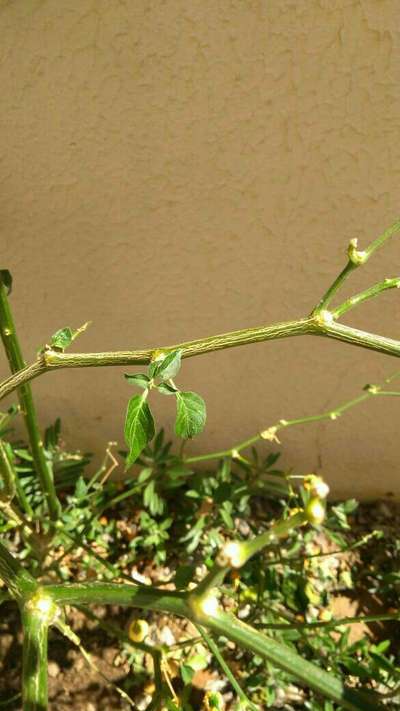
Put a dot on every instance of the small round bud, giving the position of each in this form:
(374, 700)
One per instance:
(232, 555)
(317, 486)
(138, 630)
(356, 256)
(315, 511)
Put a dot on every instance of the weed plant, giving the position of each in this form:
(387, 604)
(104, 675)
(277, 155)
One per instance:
(248, 554)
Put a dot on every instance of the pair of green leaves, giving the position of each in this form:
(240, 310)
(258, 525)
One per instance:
(139, 421)
(63, 338)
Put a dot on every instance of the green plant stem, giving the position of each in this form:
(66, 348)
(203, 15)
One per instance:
(310, 326)
(220, 623)
(352, 265)
(362, 296)
(52, 360)
(285, 658)
(22, 586)
(16, 362)
(274, 533)
(364, 339)
(284, 424)
(143, 596)
(213, 579)
(330, 624)
(34, 664)
(20, 583)
(7, 471)
(330, 293)
(247, 549)
(380, 241)
(225, 668)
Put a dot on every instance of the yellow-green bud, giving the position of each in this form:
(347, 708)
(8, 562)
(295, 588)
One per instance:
(315, 511)
(138, 630)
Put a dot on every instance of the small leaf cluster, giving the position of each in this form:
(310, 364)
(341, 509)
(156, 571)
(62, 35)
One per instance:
(62, 339)
(139, 421)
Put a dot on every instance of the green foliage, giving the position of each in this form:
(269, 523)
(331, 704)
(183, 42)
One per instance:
(234, 540)
(139, 426)
(120, 525)
(63, 338)
(191, 414)
(139, 422)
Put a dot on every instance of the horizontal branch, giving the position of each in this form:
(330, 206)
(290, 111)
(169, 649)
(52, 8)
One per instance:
(219, 622)
(317, 325)
(52, 360)
(362, 339)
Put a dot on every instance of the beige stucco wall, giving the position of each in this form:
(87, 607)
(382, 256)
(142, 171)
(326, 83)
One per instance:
(176, 168)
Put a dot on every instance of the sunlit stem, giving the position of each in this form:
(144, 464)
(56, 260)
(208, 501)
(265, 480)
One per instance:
(370, 293)
(356, 259)
(16, 362)
(34, 662)
(227, 671)
(335, 286)
(270, 434)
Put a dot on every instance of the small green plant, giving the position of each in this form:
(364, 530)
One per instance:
(72, 540)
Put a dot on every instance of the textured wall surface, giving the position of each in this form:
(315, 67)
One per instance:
(174, 169)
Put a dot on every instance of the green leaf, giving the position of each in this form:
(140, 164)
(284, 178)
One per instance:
(140, 379)
(145, 474)
(198, 662)
(187, 673)
(226, 517)
(215, 701)
(80, 488)
(170, 366)
(139, 426)
(184, 575)
(167, 389)
(191, 414)
(167, 367)
(63, 338)
(6, 279)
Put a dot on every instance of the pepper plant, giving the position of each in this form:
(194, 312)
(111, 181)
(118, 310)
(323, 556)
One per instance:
(44, 601)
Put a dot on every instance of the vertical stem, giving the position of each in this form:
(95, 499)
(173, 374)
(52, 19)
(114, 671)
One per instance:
(16, 361)
(7, 472)
(19, 581)
(34, 663)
